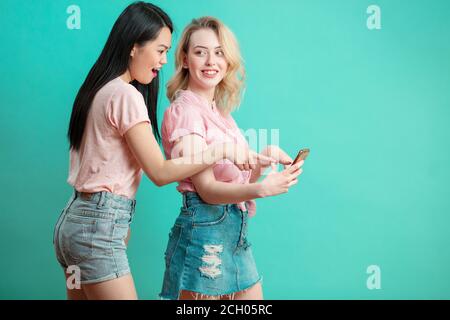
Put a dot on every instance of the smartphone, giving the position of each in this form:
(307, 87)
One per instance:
(302, 154)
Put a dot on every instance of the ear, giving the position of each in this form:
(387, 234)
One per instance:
(185, 64)
(133, 51)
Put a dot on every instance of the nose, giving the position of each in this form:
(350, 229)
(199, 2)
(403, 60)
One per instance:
(163, 59)
(210, 60)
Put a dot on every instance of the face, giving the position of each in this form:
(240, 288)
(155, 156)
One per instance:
(205, 60)
(147, 60)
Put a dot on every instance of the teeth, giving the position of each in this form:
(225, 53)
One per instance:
(210, 72)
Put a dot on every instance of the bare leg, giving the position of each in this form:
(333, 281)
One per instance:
(190, 295)
(121, 288)
(253, 293)
(128, 237)
(74, 294)
(116, 289)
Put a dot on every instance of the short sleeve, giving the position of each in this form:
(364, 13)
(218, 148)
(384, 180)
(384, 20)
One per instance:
(181, 120)
(126, 109)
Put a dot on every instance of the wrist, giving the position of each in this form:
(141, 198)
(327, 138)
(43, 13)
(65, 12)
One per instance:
(259, 190)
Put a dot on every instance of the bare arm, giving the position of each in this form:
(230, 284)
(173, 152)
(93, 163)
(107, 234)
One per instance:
(217, 192)
(144, 147)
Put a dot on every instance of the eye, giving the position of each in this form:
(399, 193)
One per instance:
(200, 52)
(219, 53)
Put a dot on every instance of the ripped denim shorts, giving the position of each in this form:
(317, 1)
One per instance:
(208, 252)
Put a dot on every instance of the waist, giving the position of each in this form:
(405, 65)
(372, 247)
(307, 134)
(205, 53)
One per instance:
(92, 177)
(106, 199)
(191, 199)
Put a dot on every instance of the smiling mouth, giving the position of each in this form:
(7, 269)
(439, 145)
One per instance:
(155, 72)
(210, 72)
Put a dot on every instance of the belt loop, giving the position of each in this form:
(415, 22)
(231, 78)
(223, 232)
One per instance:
(133, 206)
(184, 200)
(101, 201)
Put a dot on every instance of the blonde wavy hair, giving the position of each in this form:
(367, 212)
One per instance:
(228, 92)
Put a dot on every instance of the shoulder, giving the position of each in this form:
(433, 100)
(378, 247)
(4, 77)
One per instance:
(120, 90)
(117, 94)
(182, 108)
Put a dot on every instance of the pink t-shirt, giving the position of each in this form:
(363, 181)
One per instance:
(191, 113)
(104, 161)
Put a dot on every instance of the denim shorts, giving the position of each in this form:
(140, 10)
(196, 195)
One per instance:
(90, 234)
(208, 251)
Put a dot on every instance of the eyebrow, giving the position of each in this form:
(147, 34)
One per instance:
(203, 47)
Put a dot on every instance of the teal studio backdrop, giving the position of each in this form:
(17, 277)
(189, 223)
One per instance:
(369, 218)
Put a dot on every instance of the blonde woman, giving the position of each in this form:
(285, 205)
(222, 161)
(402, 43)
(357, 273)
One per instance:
(208, 255)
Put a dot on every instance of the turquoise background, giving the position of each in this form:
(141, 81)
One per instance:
(373, 106)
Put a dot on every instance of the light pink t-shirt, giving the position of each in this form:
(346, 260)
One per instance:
(191, 113)
(104, 161)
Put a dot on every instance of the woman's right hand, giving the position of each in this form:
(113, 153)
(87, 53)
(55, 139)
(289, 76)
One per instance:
(242, 156)
(279, 182)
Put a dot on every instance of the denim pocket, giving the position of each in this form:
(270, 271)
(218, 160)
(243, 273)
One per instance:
(77, 237)
(208, 214)
(174, 238)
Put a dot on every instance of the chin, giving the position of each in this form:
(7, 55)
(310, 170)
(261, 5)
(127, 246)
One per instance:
(144, 81)
(209, 85)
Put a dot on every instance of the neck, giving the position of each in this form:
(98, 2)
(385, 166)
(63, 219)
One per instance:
(208, 94)
(126, 76)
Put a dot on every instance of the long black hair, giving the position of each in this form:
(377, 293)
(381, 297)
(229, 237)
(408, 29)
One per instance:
(138, 23)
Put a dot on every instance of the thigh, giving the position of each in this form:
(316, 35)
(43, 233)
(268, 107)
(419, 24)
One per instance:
(128, 237)
(191, 295)
(116, 289)
(253, 293)
(74, 294)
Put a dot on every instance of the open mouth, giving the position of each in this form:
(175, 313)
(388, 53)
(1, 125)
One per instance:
(155, 72)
